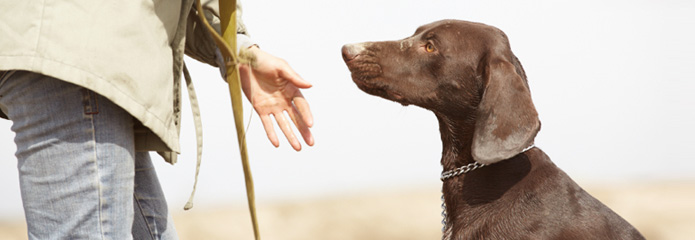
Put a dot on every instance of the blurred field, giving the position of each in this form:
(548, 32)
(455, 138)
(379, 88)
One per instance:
(660, 211)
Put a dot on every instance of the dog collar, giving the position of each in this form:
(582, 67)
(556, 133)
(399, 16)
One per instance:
(470, 167)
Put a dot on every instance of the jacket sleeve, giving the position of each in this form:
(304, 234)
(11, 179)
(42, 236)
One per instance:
(199, 43)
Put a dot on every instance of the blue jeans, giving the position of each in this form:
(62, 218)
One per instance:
(79, 174)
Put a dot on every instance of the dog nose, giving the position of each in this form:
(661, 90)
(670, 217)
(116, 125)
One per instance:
(351, 51)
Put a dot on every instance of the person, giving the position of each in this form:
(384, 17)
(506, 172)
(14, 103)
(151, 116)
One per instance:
(91, 87)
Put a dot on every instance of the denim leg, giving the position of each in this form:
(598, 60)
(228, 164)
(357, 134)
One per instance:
(152, 217)
(75, 159)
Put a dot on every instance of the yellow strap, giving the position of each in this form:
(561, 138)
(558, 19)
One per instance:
(227, 46)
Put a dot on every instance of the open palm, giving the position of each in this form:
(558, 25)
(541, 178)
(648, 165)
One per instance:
(274, 89)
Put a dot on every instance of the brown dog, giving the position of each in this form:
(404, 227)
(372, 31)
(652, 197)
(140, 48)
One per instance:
(467, 75)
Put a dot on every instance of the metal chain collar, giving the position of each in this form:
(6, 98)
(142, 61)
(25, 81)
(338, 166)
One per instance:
(458, 171)
(470, 167)
(443, 214)
(453, 173)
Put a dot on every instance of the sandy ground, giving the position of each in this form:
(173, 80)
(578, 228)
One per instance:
(660, 211)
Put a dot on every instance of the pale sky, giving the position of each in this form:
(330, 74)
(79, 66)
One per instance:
(613, 83)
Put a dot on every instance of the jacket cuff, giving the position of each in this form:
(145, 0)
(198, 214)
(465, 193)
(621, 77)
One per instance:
(243, 41)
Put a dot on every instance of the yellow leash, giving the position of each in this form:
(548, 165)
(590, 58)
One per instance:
(227, 46)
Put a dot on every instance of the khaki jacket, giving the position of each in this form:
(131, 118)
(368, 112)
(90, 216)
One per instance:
(131, 52)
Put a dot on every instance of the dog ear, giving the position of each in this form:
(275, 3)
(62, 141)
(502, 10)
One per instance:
(507, 121)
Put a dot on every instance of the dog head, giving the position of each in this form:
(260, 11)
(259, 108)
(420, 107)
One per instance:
(458, 69)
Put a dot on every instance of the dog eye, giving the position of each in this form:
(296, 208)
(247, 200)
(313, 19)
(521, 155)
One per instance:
(429, 47)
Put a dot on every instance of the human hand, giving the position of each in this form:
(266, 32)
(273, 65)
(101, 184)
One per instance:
(273, 88)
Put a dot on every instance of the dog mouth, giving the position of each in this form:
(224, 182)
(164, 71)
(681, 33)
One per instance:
(367, 73)
(363, 71)
(375, 86)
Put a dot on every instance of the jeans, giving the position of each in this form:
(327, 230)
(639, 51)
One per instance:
(79, 174)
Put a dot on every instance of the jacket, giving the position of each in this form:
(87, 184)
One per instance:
(122, 50)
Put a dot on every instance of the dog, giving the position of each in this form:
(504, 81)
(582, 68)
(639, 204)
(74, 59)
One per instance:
(496, 183)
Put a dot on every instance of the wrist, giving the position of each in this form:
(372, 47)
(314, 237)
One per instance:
(248, 56)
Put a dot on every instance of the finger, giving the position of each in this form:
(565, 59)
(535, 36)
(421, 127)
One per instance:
(269, 130)
(288, 73)
(301, 126)
(303, 107)
(287, 130)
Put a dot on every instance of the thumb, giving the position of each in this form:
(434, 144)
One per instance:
(293, 77)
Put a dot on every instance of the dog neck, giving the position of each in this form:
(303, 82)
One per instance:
(457, 138)
(465, 194)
